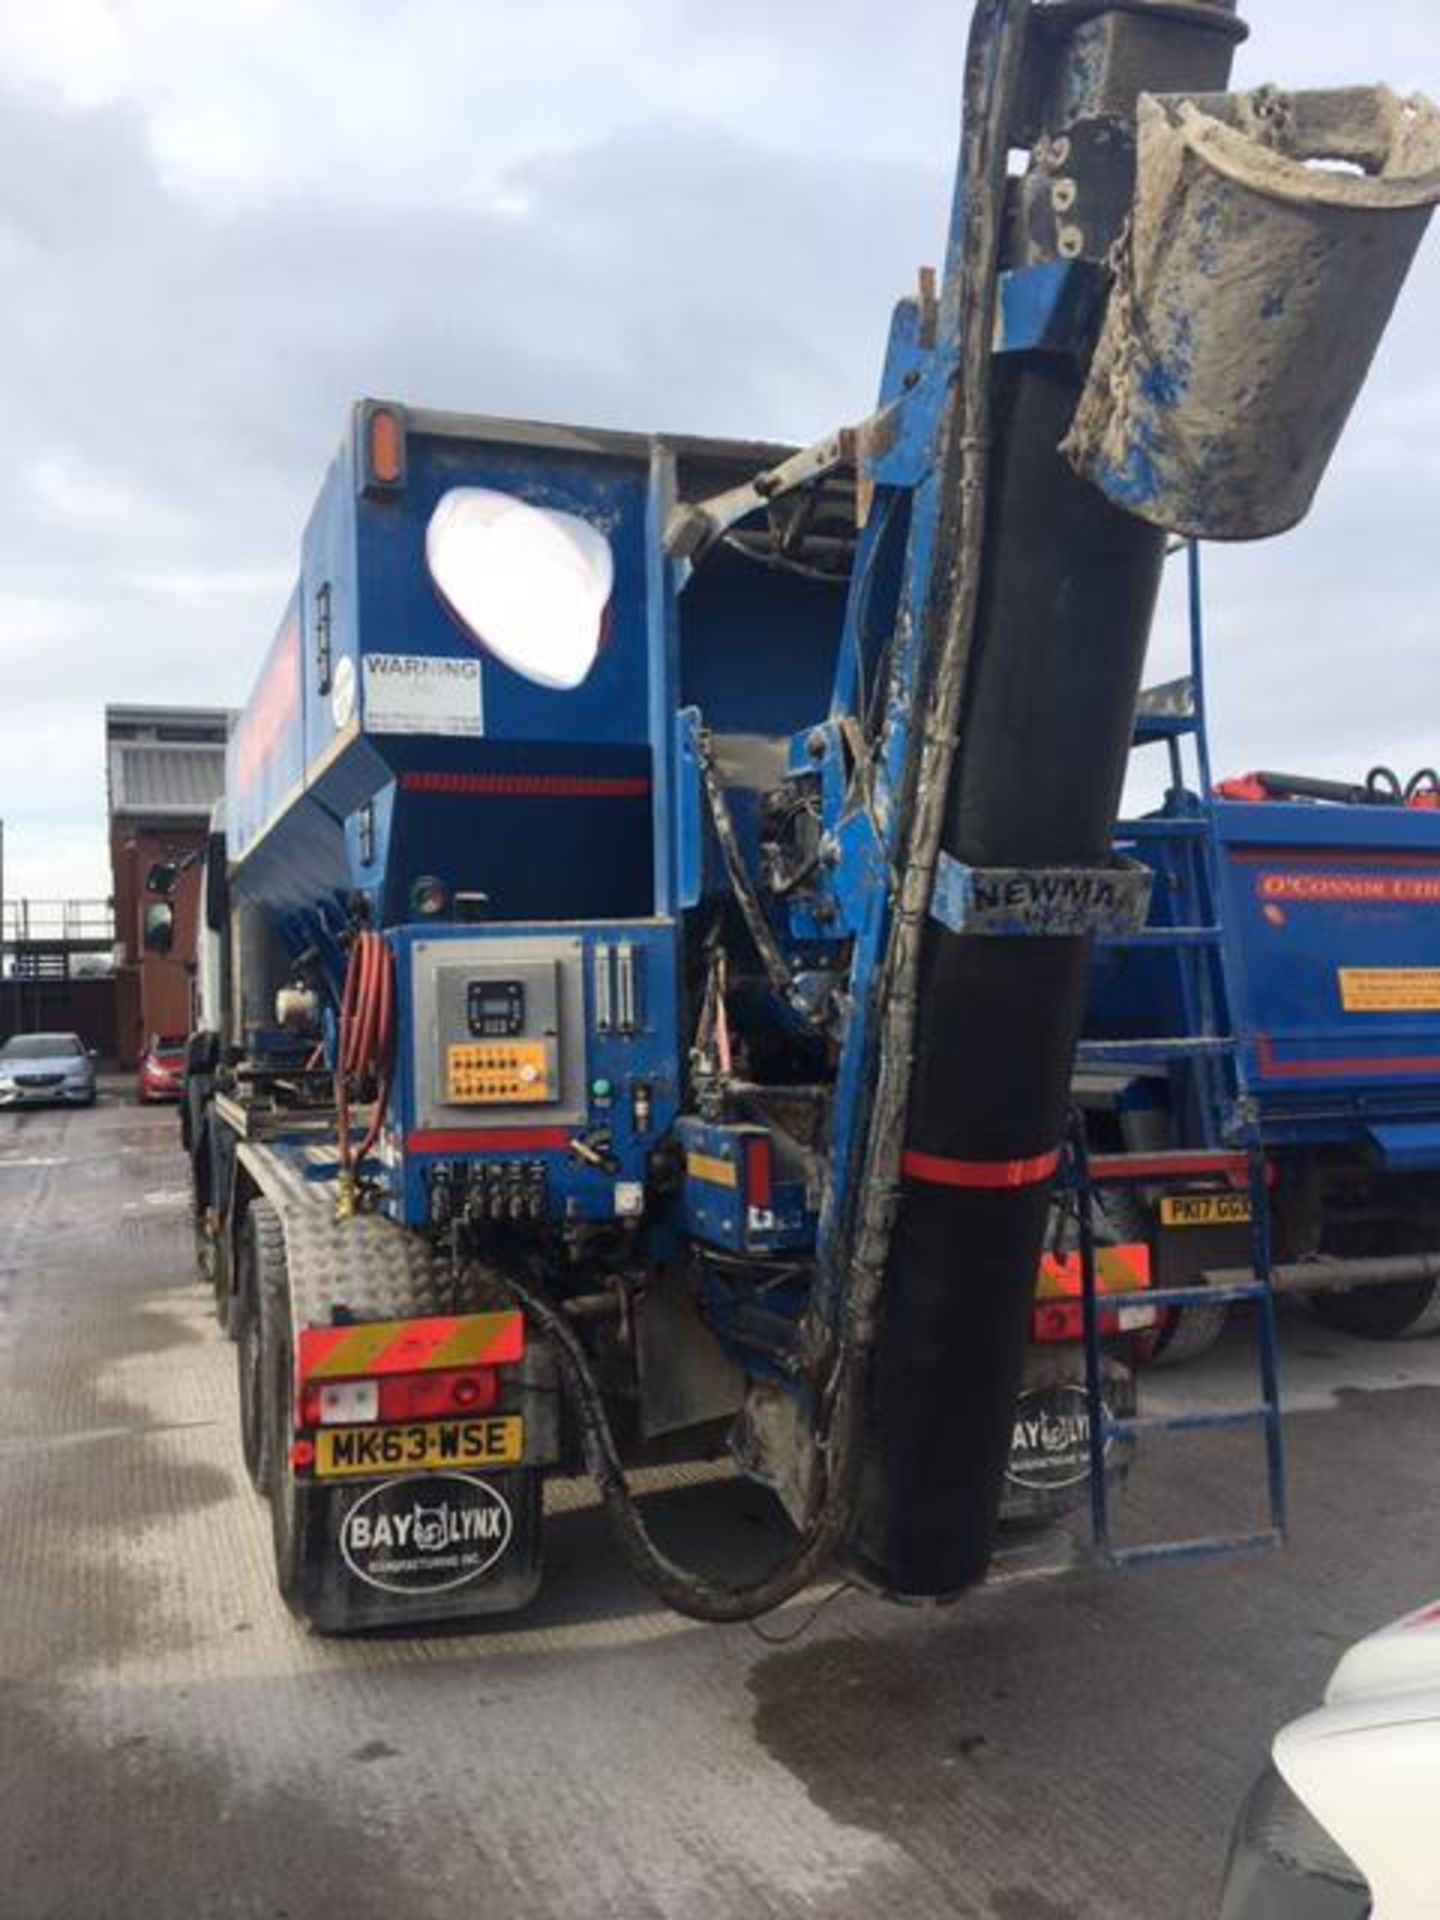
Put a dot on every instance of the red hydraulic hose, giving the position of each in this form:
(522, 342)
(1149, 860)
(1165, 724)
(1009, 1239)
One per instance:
(366, 1049)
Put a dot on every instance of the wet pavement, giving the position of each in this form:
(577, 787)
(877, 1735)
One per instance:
(1067, 1744)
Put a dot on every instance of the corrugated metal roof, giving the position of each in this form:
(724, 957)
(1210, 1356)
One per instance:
(155, 777)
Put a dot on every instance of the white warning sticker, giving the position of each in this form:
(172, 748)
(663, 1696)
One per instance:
(422, 693)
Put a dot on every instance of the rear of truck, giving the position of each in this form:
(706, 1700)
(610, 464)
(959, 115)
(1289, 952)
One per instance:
(445, 904)
(1333, 912)
(1323, 977)
(453, 916)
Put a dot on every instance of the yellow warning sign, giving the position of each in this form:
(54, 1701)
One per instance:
(1390, 989)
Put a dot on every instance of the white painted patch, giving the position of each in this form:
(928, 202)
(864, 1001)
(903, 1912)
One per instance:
(342, 691)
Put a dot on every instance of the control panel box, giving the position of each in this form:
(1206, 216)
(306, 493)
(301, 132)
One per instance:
(499, 1026)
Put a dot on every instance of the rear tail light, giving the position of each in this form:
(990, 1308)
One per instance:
(347, 1402)
(1059, 1314)
(443, 1393)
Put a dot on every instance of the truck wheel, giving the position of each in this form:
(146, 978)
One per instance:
(1408, 1310)
(287, 1521)
(261, 1276)
(1186, 1333)
(215, 1261)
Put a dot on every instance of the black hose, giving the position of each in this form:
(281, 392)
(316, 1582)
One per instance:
(698, 1596)
(741, 885)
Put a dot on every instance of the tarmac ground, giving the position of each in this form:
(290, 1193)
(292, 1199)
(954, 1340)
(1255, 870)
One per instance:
(1067, 1743)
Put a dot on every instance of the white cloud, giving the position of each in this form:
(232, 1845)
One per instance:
(221, 222)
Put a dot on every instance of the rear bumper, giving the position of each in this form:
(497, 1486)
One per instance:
(153, 1087)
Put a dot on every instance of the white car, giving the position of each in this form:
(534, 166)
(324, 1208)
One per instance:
(1340, 1827)
(37, 1068)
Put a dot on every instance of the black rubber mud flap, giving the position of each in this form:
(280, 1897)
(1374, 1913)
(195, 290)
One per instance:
(408, 1551)
(415, 1550)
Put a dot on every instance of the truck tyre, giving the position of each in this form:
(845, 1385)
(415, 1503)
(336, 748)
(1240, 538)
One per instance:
(287, 1505)
(1184, 1333)
(261, 1276)
(1187, 1332)
(1408, 1310)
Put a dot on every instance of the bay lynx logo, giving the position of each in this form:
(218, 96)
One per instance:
(409, 1536)
(432, 1526)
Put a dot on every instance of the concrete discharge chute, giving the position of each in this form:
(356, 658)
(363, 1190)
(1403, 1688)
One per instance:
(1269, 238)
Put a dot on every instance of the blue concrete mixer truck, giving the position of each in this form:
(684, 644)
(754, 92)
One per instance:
(657, 874)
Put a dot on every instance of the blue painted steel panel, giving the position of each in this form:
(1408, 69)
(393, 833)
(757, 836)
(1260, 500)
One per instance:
(541, 799)
(1408, 1147)
(719, 1206)
(651, 1055)
(1334, 913)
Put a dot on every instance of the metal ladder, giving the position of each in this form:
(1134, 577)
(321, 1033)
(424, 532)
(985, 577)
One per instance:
(1086, 1172)
(1209, 1045)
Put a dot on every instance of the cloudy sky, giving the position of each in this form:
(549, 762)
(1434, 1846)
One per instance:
(220, 220)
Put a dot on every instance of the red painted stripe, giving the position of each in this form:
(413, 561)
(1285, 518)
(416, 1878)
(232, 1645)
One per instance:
(543, 786)
(1162, 1166)
(488, 1140)
(758, 1191)
(938, 1170)
(1272, 1068)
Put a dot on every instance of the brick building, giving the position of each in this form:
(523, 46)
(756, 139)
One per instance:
(165, 768)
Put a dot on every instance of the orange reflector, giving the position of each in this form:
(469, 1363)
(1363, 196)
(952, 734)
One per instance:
(386, 448)
(371, 1347)
(1058, 1315)
(1124, 1269)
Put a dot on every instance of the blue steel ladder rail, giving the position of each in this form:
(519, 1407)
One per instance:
(1207, 1045)
(1211, 1050)
(1084, 1174)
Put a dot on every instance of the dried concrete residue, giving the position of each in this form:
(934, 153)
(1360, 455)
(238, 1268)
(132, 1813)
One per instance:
(1268, 240)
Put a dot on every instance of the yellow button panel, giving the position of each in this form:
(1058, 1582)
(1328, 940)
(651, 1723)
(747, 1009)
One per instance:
(497, 1072)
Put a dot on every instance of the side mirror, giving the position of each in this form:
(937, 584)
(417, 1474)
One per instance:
(162, 878)
(217, 884)
(158, 927)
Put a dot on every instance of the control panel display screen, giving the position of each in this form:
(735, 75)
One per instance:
(495, 1009)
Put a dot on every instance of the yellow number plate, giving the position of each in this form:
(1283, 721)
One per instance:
(1205, 1210)
(495, 1442)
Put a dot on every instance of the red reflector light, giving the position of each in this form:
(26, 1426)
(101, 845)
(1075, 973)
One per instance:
(758, 1189)
(1059, 1320)
(430, 1396)
(302, 1453)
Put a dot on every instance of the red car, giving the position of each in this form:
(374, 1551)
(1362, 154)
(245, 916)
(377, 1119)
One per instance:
(161, 1074)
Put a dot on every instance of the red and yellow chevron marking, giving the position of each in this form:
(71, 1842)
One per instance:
(1123, 1269)
(372, 1347)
